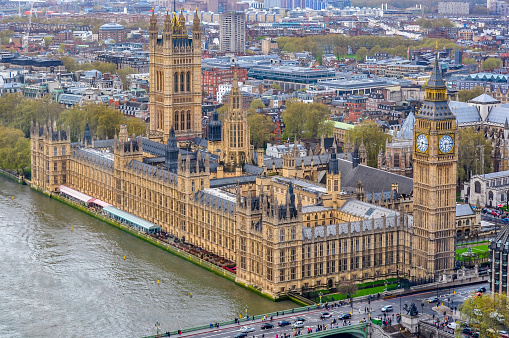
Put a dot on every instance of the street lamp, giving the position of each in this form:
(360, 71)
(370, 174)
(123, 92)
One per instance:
(157, 327)
(245, 309)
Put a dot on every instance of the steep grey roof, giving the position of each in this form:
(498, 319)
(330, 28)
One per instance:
(252, 169)
(150, 170)
(372, 179)
(464, 112)
(154, 148)
(201, 142)
(221, 182)
(463, 210)
(484, 98)
(103, 143)
(314, 208)
(216, 199)
(366, 210)
(104, 160)
(498, 115)
(407, 129)
(496, 174)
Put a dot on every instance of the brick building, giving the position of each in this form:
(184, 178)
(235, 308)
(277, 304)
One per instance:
(213, 77)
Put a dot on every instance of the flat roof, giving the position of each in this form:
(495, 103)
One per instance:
(342, 125)
(131, 218)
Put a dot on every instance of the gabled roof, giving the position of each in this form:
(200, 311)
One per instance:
(463, 210)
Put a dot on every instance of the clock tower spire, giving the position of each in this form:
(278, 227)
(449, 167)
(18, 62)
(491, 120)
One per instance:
(435, 156)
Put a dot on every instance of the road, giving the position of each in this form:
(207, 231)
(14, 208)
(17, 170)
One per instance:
(456, 296)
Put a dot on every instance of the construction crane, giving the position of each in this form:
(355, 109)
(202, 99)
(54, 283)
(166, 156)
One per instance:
(27, 33)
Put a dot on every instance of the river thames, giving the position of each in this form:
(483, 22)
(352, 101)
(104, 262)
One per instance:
(62, 274)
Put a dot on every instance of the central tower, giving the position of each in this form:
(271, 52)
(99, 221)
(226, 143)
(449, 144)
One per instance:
(435, 156)
(175, 79)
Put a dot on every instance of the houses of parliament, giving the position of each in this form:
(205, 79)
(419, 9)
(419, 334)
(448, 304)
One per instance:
(284, 232)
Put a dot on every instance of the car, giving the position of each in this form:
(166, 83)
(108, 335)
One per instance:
(476, 334)
(247, 329)
(284, 323)
(481, 289)
(495, 213)
(240, 335)
(452, 325)
(433, 300)
(345, 316)
(266, 326)
(298, 325)
(505, 220)
(324, 315)
(467, 330)
(300, 319)
(387, 308)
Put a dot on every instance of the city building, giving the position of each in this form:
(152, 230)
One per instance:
(175, 79)
(113, 31)
(232, 32)
(453, 8)
(499, 262)
(212, 78)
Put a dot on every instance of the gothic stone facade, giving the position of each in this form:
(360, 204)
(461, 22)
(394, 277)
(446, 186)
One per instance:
(273, 236)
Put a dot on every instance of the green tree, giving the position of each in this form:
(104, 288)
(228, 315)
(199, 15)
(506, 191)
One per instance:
(306, 119)
(14, 149)
(491, 63)
(474, 151)
(261, 127)
(47, 40)
(361, 53)
(486, 313)
(5, 36)
(468, 61)
(124, 73)
(69, 63)
(7, 104)
(34, 110)
(61, 48)
(276, 86)
(256, 104)
(373, 137)
(466, 95)
(103, 120)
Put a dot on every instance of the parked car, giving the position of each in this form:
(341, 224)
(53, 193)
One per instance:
(298, 325)
(284, 323)
(495, 213)
(467, 330)
(505, 220)
(247, 329)
(240, 335)
(452, 325)
(387, 308)
(433, 300)
(345, 316)
(481, 289)
(266, 326)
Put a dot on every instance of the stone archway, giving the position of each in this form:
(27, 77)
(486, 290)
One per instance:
(330, 283)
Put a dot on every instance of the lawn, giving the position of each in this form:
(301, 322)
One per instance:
(363, 292)
(477, 248)
(479, 242)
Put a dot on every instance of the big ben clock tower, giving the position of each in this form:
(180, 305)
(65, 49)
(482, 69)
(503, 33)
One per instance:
(435, 156)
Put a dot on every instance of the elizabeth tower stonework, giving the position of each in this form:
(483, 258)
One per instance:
(435, 157)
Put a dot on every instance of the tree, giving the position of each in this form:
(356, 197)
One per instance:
(14, 149)
(486, 313)
(5, 36)
(373, 137)
(124, 73)
(261, 127)
(256, 104)
(34, 110)
(468, 61)
(491, 63)
(69, 63)
(474, 151)
(361, 53)
(103, 120)
(347, 288)
(466, 95)
(61, 48)
(47, 40)
(306, 119)
(276, 86)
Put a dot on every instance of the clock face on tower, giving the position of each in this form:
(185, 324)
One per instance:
(422, 143)
(445, 144)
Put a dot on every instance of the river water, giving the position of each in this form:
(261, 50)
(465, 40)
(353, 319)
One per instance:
(62, 274)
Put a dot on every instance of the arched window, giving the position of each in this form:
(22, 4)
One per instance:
(188, 81)
(176, 82)
(182, 121)
(176, 121)
(477, 187)
(182, 81)
(490, 195)
(282, 235)
(188, 120)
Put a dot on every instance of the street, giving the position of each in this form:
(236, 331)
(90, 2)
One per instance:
(453, 297)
